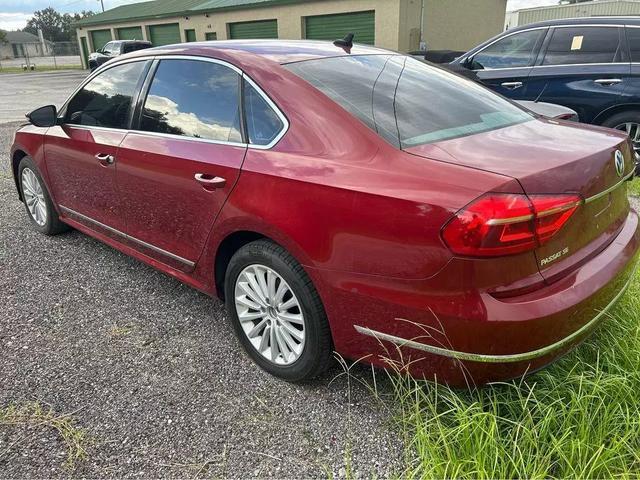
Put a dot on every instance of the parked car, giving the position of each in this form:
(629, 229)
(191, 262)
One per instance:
(550, 110)
(365, 203)
(591, 65)
(114, 49)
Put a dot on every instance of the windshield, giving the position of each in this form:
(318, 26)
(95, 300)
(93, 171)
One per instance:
(406, 101)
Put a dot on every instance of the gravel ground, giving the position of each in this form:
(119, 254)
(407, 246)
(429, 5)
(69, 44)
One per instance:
(151, 372)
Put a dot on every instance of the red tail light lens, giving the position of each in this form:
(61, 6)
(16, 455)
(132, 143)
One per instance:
(505, 224)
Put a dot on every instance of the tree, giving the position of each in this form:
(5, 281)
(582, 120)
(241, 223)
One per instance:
(68, 19)
(55, 27)
(3, 36)
(570, 2)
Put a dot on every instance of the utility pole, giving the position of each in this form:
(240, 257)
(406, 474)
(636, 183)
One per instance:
(102, 3)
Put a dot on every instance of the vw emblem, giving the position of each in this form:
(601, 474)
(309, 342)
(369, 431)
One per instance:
(619, 161)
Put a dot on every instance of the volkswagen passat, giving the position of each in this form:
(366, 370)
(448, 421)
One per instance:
(343, 199)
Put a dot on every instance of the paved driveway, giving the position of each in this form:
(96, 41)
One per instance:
(148, 368)
(22, 92)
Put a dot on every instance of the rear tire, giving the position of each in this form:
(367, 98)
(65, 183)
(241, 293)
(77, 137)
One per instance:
(37, 201)
(292, 343)
(627, 121)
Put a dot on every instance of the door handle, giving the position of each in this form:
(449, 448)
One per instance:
(608, 81)
(105, 158)
(511, 85)
(210, 181)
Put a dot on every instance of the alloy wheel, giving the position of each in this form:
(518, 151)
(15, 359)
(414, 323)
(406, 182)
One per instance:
(34, 197)
(270, 314)
(633, 130)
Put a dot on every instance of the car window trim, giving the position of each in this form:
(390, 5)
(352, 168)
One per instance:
(243, 75)
(621, 39)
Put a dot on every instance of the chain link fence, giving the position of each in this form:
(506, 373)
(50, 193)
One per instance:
(50, 56)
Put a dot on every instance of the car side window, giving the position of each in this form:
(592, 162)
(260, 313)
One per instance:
(195, 99)
(580, 45)
(106, 100)
(515, 50)
(263, 123)
(107, 48)
(633, 40)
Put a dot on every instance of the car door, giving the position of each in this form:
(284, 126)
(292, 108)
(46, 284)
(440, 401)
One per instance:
(585, 68)
(504, 65)
(179, 166)
(81, 152)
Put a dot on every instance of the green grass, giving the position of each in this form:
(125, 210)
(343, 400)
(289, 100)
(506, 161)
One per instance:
(579, 418)
(35, 416)
(634, 187)
(39, 68)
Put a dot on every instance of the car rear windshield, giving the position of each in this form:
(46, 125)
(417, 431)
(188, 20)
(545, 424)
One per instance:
(406, 101)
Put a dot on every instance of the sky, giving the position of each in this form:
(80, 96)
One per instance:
(15, 13)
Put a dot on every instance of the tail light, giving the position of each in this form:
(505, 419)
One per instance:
(505, 224)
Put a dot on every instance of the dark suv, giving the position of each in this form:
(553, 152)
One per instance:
(591, 65)
(113, 49)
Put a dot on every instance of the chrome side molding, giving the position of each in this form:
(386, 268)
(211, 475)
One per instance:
(125, 236)
(484, 358)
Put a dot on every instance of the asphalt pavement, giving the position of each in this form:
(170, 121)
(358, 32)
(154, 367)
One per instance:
(147, 370)
(22, 92)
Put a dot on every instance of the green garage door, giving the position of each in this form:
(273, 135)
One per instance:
(99, 38)
(261, 29)
(130, 33)
(164, 34)
(332, 27)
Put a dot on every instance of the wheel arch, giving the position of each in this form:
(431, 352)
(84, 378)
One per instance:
(609, 112)
(16, 156)
(226, 249)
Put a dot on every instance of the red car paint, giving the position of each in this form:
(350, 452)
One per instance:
(364, 219)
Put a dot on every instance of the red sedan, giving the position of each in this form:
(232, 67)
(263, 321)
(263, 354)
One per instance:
(349, 200)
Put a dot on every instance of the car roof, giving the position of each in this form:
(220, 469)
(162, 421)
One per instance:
(581, 21)
(129, 41)
(280, 51)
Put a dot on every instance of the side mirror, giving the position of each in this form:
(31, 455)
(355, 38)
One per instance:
(44, 116)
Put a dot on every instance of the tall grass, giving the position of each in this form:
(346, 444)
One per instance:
(579, 418)
(634, 187)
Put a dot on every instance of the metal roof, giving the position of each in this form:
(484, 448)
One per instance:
(21, 37)
(171, 8)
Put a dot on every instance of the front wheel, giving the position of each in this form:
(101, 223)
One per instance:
(277, 313)
(37, 200)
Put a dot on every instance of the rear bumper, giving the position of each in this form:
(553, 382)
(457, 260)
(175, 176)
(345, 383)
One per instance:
(467, 336)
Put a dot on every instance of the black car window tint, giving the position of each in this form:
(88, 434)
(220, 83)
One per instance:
(195, 99)
(106, 100)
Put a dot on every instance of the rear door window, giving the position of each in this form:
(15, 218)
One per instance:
(517, 50)
(106, 100)
(583, 45)
(193, 98)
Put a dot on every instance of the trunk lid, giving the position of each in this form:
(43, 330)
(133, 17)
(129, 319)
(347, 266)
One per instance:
(549, 157)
